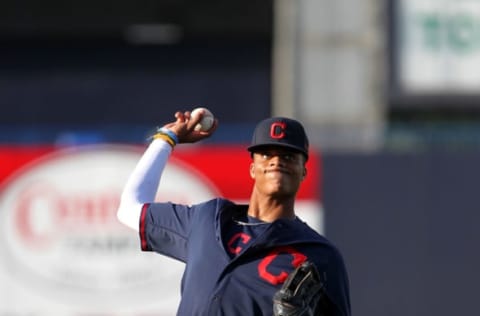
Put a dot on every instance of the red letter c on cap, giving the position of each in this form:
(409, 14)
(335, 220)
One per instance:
(277, 130)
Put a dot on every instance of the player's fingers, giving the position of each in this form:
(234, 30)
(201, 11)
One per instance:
(192, 120)
(180, 117)
(184, 127)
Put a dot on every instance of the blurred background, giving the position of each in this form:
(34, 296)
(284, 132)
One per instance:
(389, 92)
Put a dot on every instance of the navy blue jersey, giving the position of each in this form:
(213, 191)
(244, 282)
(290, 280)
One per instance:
(234, 266)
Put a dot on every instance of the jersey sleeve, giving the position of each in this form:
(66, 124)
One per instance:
(167, 228)
(331, 265)
(164, 228)
(337, 284)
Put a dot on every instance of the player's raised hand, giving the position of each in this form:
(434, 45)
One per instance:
(184, 127)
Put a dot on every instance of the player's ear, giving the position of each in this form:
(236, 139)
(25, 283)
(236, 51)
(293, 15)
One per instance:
(304, 173)
(252, 170)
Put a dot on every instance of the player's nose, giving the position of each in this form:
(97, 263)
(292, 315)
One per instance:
(276, 160)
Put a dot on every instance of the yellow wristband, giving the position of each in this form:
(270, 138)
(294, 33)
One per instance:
(165, 137)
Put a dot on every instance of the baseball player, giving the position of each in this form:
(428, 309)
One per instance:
(255, 259)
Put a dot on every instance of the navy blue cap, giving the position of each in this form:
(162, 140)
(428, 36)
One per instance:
(280, 131)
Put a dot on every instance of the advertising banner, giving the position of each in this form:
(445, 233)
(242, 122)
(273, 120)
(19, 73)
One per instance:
(62, 249)
(438, 46)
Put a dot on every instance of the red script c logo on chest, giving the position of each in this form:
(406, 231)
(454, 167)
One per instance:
(297, 259)
(244, 239)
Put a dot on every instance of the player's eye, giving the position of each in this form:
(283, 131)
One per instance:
(288, 157)
(285, 156)
(266, 155)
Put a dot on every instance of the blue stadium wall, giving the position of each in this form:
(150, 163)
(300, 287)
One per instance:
(407, 224)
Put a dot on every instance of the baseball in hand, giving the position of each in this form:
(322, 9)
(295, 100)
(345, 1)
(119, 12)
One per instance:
(207, 120)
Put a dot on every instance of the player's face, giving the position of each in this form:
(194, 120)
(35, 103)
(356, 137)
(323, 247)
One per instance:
(277, 171)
